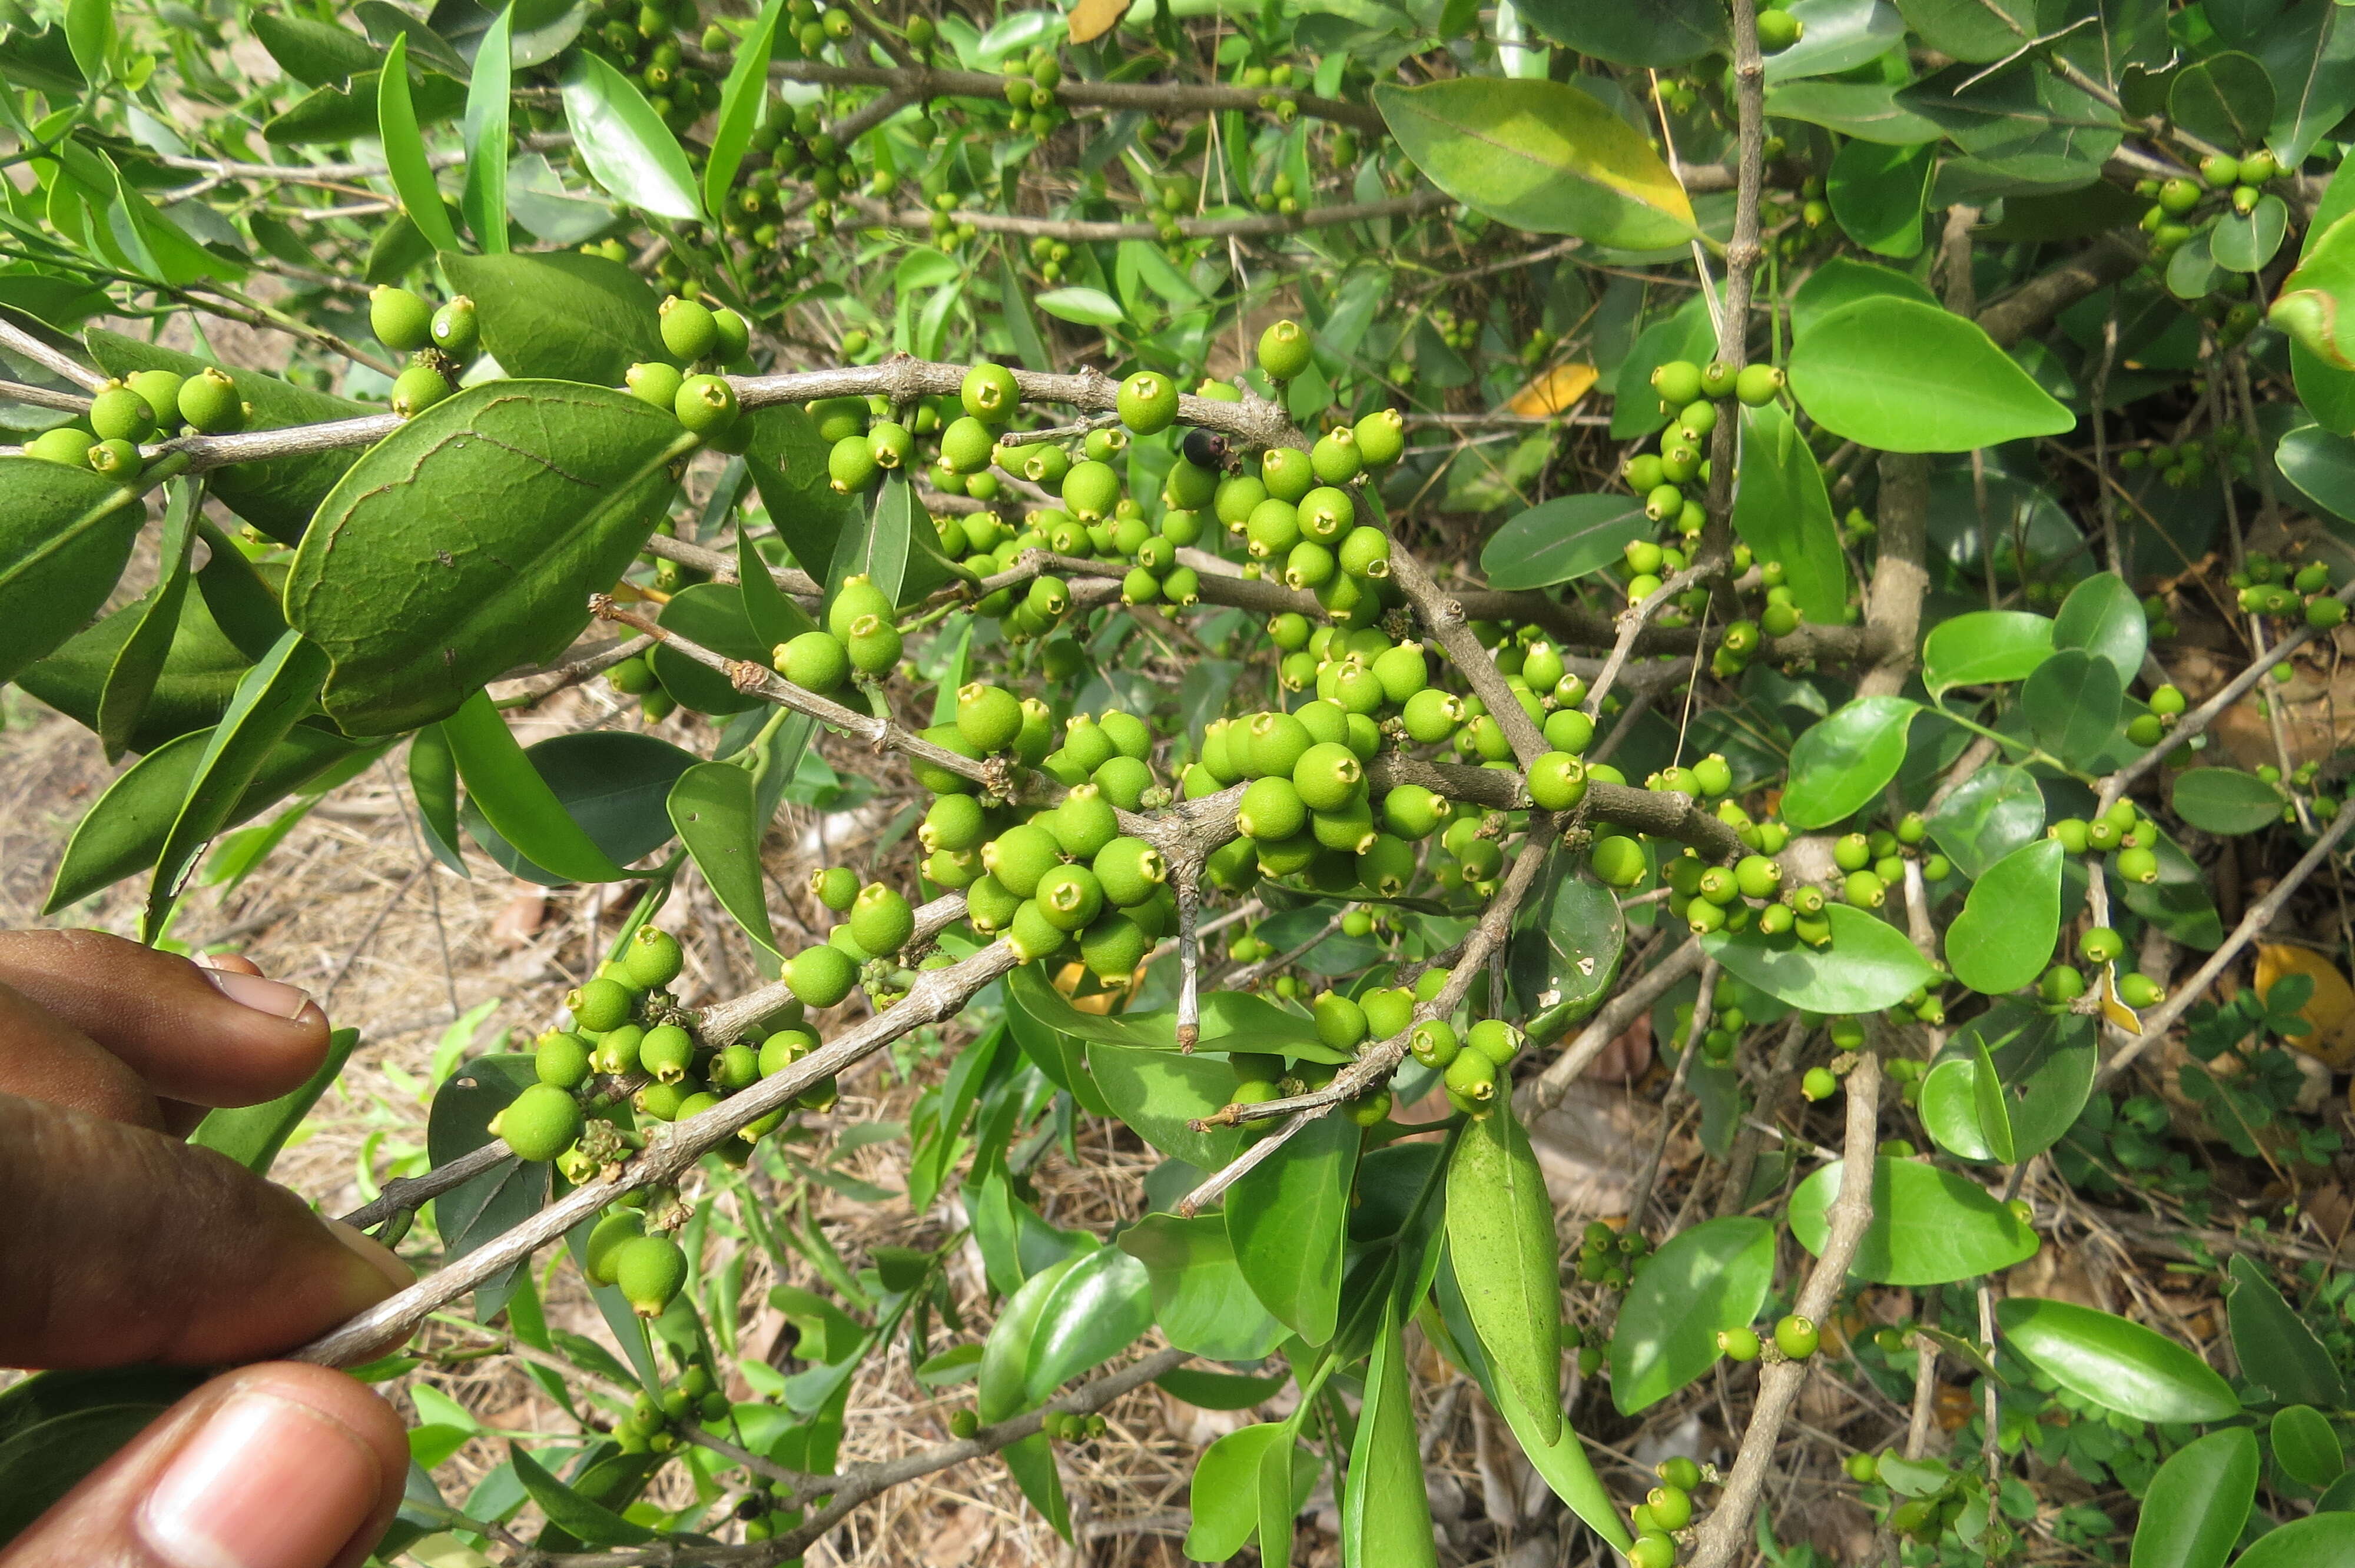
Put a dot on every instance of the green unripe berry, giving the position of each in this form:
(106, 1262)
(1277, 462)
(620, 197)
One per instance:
(2137, 865)
(1271, 810)
(650, 1272)
(209, 403)
(735, 336)
(1471, 1080)
(1019, 856)
(989, 394)
(602, 1256)
(1557, 782)
(1796, 1336)
(652, 958)
(1739, 1344)
(668, 1051)
(1283, 350)
(617, 1050)
(821, 976)
(1148, 402)
(1671, 1507)
(1618, 861)
(874, 644)
(1652, 1548)
(1335, 459)
(120, 414)
(456, 328)
(1494, 1039)
(1086, 822)
(401, 321)
(160, 390)
(1431, 714)
(560, 1060)
(115, 459)
(418, 388)
(1130, 870)
(654, 381)
(688, 330)
(814, 661)
(1340, 1023)
(1819, 1084)
(1758, 385)
(1328, 776)
(706, 404)
(540, 1123)
(881, 921)
(2100, 945)
(1382, 437)
(601, 1004)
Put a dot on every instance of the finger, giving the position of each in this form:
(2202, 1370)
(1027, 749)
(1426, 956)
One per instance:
(124, 1245)
(278, 1465)
(41, 1058)
(211, 1037)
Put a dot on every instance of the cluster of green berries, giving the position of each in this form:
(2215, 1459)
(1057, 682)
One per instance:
(440, 341)
(641, 37)
(1029, 89)
(1667, 1508)
(145, 404)
(2100, 947)
(652, 1425)
(2187, 462)
(1794, 1340)
(1922, 1520)
(2182, 206)
(859, 640)
(699, 339)
(1728, 1020)
(1608, 1255)
(2286, 591)
(877, 926)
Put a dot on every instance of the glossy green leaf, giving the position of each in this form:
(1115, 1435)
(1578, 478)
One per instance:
(273, 696)
(1088, 307)
(787, 462)
(404, 150)
(1843, 280)
(468, 542)
(739, 107)
(2045, 1070)
(1201, 1299)
(344, 112)
(1994, 1113)
(2322, 465)
(1566, 943)
(773, 617)
(2225, 99)
(2226, 800)
(433, 781)
(2003, 940)
(1385, 1508)
(1563, 1463)
(1219, 1391)
(625, 143)
(2198, 1503)
(1000, 1391)
(1711, 1276)
(2246, 243)
(1286, 1219)
(312, 53)
(1867, 110)
(123, 833)
(1638, 33)
(711, 614)
(592, 1523)
(192, 690)
(46, 1460)
(90, 35)
(2072, 703)
(252, 1135)
(510, 792)
(560, 314)
(1158, 1093)
(278, 496)
(1866, 966)
(1286, 1474)
(2321, 1541)
(2181, 902)
(1986, 647)
(485, 202)
(1099, 1309)
(2102, 617)
(1225, 1495)
(1929, 1226)
(1561, 540)
(2278, 1351)
(1996, 811)
(719, 820)
(1782, 512)
(1968, 30)
(1877, 193)
(2118, 1364)
(65, 537)
(2312, 305)
(139, 662)
(1904, 377)
(611, 787)
(2306, 1447)
(1842, 763)
(1500, 1236)
(1540, 155)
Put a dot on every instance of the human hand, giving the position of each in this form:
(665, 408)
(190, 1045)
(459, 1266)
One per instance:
(122, 1244)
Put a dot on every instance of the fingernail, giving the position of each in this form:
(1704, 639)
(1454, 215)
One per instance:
(378, 1257)
(276, 998)
(265, 1483)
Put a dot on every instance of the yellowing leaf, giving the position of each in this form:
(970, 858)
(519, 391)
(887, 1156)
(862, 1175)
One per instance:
(1553, 392)
(2114, 1007)
(1092, 19)
(2331, 1008)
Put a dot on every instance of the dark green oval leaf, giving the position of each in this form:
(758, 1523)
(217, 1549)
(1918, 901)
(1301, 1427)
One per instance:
(1712, 1276)
(1843, 762)
(2072, 704)
(2322, 1541)
(468, 543)
(65, 535)
(2192, 1515)
(625, 143)
(1102, 1305)
(559, 314)
(713, 806)
(1286, 1219)
(1201, 1299)
(1868, 964)
(1904, 377)
(2307, 1447)
(2102, 617)
(1997, 810)
(2117, 1364)
(1637, 33)
(2279, 1352)
(2003, 938)
(1385, 1505)
(572, 798)
(1501, 1239)
(1929, 1226)
(2226, 800)
(1562, 539)
(1985, 647)
(1784, 513)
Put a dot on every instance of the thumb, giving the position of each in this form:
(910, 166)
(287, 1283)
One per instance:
(274, 1465)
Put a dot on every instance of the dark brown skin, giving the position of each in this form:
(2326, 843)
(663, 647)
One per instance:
(119, 1244)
